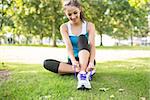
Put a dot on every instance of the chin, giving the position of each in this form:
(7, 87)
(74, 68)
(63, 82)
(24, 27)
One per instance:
(75, 22)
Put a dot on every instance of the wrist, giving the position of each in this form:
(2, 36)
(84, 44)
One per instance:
(72, 59)
(91, 64)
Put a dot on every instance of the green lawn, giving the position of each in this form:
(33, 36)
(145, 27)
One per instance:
(114, 80)
(124, 47)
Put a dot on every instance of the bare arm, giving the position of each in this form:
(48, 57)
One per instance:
(91, 30)
(64, 33)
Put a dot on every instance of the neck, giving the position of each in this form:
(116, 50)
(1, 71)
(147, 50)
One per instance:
(77, 24)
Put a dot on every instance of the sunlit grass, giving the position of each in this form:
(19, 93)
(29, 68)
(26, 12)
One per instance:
(124, 47)
(123, 80)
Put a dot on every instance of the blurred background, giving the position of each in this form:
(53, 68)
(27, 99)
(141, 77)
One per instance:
(37, 22)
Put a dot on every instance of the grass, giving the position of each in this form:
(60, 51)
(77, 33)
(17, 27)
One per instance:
(124, 47)
(114, 80)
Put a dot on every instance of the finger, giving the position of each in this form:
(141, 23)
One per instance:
(93, 67)
(87, 69)
(90, 68)
(73, 67)
(77, 64)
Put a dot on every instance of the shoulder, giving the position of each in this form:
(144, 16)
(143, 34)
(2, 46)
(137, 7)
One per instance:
(90, 26)
(63, 27)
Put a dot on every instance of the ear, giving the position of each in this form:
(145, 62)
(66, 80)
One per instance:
(80, 9)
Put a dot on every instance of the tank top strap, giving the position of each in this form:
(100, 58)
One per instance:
(84, 28)
(69, 29)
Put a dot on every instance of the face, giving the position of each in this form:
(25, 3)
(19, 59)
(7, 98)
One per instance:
(73, 14)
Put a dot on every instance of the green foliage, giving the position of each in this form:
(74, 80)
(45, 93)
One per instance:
(138, 3)
(116, 80)
(119, 18)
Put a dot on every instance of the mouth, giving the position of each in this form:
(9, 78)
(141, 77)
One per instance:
(74, 20)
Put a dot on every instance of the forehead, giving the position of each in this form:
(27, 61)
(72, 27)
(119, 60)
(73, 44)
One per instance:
(70, 9)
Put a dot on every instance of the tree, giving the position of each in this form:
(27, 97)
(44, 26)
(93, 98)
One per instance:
(40, 17)
(97, 11)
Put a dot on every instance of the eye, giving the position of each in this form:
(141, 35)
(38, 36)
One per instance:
(69, 14)
(75, 12)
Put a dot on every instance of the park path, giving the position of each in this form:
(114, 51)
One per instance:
(36, 55)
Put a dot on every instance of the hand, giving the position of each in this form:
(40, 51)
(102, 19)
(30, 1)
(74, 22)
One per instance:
(75, 64)
(90, 67)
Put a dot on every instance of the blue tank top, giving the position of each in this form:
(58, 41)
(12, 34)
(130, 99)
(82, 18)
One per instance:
(74, 38)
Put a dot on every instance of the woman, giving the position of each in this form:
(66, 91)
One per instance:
(79, 38)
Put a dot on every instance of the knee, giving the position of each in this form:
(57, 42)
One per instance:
(83, 43)
(51, 65)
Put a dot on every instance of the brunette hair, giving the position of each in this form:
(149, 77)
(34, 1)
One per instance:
(78, 5)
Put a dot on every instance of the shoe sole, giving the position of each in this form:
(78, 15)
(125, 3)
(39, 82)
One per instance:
(83, 88)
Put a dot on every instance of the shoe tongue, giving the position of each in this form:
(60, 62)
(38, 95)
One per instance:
(83, 76)
(82, 72)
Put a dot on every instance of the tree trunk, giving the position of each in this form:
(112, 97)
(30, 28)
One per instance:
(53, 35)
(131, 39)
(101, 40)
(41, 39)
(18, 36)
(1, 24)
(146, 43)
(28, 39)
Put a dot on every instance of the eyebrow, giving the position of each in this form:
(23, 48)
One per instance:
(72, 11)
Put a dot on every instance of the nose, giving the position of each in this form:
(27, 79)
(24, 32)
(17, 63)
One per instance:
(73, 16)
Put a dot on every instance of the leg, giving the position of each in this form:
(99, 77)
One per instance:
(58, 67)
(66, 68)
(83, 59)
(84, 53)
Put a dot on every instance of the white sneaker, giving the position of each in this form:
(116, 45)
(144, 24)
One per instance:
(90, 74)
(83, 81)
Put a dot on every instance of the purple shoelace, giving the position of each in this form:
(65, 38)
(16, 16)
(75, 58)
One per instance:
(75, 74)
(83, 76)
(90, 74)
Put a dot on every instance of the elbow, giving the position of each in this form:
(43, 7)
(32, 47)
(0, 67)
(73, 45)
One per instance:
(69, 48)
(92, 45)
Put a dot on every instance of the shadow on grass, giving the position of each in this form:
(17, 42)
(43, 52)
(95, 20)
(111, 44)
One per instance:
(118, 80)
